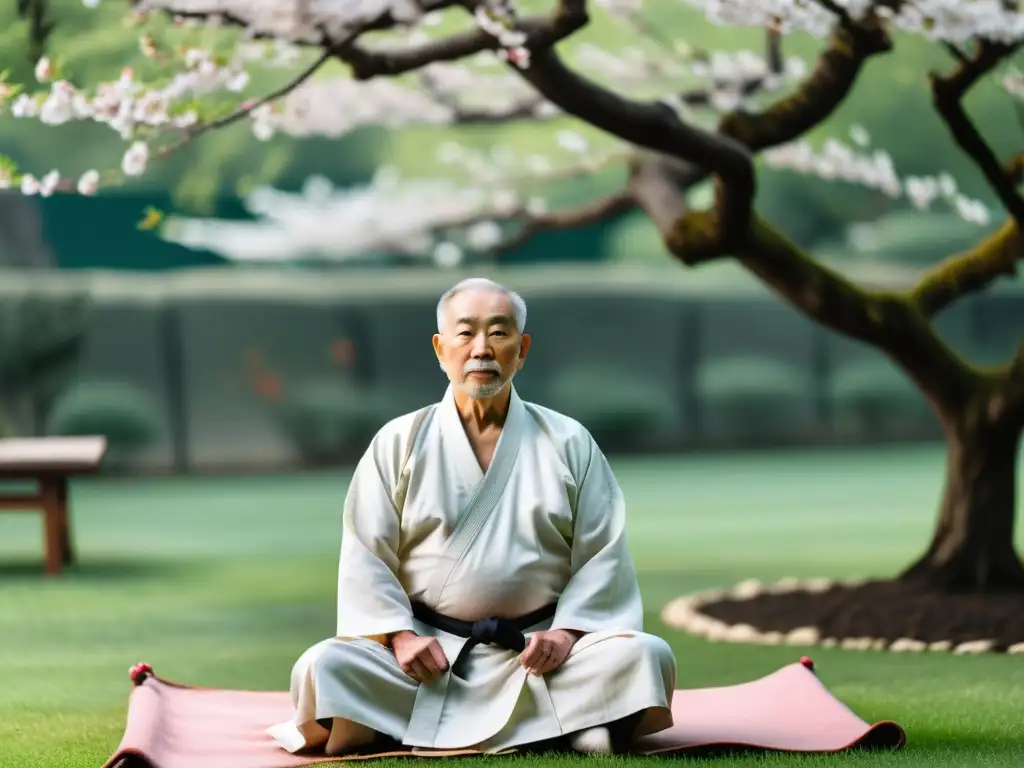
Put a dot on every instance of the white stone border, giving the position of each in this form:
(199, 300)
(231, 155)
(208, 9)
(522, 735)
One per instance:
(684, 614)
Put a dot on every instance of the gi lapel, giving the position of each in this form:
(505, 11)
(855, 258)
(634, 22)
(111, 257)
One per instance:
(489, 489)
(455, 443)
(420, 428)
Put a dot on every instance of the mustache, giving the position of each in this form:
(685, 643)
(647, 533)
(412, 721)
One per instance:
(481, 365)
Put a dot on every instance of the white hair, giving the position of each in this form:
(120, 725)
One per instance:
(483, 284)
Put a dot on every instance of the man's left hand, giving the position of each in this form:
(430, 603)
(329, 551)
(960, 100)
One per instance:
(547, 651)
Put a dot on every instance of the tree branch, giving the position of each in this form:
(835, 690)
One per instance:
(955, 52)
(819, 292)
(199, 129)
(888, 321)
(884, 319)
(1014, 391)
(541, 32)
(652, 126)
(691, 238)
(1015, 169)
(999, 254)
(948, 94)
(659, 185)
(40, 25)
(821, 93)
(970, 271)
(593, 212)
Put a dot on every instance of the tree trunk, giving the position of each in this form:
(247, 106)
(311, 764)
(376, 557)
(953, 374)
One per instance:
(973, 548)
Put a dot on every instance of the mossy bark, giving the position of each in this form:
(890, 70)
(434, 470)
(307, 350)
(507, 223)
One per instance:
(972, 548)
(982, 411)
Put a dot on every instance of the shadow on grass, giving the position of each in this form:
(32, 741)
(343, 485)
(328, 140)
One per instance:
(94, 569)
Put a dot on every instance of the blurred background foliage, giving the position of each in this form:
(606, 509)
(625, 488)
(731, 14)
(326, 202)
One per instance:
(164, 404)
(208, 177)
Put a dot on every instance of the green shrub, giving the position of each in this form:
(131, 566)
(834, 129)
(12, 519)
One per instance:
(619, 409)
(750, 397)
(331, 419)
(873, 398)
(41, 337)
(122, 412)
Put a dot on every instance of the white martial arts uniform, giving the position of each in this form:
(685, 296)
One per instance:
(423, 522)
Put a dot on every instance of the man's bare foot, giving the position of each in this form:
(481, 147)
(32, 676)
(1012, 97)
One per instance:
(345, 741)
(592, 741)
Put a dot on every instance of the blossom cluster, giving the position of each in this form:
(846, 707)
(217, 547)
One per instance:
(875, 169)
(127, 106)
(442, 93)
(498, 19)
(141, 114)
(1013, 83)
(953, 21)
(441, 219)
(388, 215)
(334, 107)
(138, 112)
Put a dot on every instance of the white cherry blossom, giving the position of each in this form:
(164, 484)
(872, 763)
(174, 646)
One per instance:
(135, 159)
(48, 184)
(88, 183)
(152, 117)
(59, 106)
(839, 162)
(44, 69)
(25, 106)
(29, 185)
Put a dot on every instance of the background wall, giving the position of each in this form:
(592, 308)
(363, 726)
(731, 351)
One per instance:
(223, 370)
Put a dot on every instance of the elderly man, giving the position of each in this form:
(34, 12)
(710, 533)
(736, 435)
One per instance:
(486, 597)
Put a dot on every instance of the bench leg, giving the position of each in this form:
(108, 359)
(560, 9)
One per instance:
(54, 503)
(67, 552)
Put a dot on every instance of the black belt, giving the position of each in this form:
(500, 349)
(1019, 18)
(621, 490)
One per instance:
(505, 633)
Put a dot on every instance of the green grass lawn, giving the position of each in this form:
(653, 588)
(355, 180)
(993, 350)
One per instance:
(224, 582)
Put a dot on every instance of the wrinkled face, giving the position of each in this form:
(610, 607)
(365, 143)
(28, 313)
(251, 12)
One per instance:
(480, 348)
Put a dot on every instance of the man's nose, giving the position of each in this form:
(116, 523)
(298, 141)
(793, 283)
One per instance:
(481, 347)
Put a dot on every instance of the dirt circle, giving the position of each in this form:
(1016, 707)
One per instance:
(856, 615)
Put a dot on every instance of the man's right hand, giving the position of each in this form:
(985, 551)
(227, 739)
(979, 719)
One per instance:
(421, 658)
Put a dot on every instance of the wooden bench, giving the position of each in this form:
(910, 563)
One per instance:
(49, 462)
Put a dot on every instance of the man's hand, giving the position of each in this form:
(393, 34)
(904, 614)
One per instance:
(421, 658)
(546, 651)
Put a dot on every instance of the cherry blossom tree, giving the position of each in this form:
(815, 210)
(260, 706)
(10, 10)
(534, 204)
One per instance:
(405, 64)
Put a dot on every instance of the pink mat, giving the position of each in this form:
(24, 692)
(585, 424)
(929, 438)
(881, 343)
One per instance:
(171, 725)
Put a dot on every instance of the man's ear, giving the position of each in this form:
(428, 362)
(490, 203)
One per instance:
(439, 350)
(524, 349)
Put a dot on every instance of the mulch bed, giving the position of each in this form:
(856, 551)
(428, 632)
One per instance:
(887, 610)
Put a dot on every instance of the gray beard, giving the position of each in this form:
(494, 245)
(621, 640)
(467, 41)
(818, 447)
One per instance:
(487, 390)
